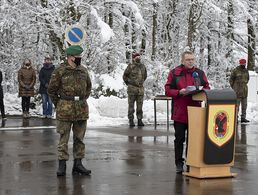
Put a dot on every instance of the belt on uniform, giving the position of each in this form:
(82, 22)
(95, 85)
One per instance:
(72, 98)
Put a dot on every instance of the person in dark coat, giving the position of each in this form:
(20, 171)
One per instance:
(44, 78)
(178, 80)
(2, 97)
(27, 80)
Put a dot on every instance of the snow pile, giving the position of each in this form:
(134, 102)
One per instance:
(112, 111)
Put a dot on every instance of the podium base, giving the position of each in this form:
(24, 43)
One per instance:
(209, 172)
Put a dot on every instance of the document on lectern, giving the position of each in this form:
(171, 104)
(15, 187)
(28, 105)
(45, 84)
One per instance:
(191, 90)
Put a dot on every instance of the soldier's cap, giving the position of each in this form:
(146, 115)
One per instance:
(242, 61)
(74, 50)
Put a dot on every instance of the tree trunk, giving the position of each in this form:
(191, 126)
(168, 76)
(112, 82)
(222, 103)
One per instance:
(195, 13)
(143, 45)
(133, 37)
(126, 13)
(154, 30)
(230, 30)
(251, 45)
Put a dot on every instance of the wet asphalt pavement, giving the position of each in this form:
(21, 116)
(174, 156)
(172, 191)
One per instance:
(122, 160)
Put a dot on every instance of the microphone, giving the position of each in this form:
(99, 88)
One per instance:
(197, 81)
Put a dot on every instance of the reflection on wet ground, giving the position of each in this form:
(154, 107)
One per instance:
(122, 160)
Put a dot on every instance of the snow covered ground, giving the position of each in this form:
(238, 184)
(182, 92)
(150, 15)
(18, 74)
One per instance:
(112, 111)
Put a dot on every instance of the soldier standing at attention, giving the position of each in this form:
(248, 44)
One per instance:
(238, 81)
(134, 77)
(69, 89)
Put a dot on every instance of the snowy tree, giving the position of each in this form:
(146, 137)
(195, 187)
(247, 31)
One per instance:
(219, 32)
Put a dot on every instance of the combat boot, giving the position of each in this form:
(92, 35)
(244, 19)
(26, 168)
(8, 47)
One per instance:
(244, 120)
(131, 123)
(140, 123)
(24, 114)
(61, 168)
(79, 169)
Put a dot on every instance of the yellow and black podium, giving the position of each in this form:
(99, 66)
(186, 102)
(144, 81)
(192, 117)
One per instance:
(211, 136)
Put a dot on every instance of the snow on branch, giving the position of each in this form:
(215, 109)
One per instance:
(134, 8)
(106, 31)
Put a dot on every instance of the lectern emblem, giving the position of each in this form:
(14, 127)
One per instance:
(221, 119)
(221, 124)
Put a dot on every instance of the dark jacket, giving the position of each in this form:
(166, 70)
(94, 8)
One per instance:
(27, 80)
(44, 77)
(69, 82)
(183, 79)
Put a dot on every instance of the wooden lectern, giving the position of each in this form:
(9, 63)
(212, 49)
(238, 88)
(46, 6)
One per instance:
(211, 136)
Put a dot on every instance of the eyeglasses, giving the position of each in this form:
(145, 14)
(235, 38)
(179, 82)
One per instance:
(189, 59)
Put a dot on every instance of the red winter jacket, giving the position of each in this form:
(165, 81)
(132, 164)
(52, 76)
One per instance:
(183, 79)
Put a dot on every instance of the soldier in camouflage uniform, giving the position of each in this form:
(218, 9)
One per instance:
(238, 81)
(69, 89)
(134, 77)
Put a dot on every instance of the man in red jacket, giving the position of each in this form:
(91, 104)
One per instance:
(179, 79)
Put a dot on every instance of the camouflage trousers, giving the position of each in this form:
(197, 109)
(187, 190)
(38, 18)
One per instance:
(139, 102)
(243, 102)
(79, 129)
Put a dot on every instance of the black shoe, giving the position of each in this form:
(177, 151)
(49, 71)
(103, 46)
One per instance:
(79, 169)
(61, 168)
(139, 139)
(187, 168)
(244, 120)
(131, 123)
(140, 123)
(179, 168)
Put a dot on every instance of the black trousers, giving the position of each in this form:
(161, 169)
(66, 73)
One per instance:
(25, 104)
(180, 138)
(2, 107)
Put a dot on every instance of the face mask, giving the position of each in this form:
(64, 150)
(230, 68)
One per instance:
(242, 66)
(138, 60)
(77, 61)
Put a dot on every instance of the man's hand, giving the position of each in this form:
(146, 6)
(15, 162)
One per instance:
(182, 91)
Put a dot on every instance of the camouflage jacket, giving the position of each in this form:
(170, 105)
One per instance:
(238, 81)
(69, 82)
(134, 76)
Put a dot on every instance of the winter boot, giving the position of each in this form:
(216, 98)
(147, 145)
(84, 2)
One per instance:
(179, 168)
(244, 120)
(61, 168)
(131, 123)
(140, 123)
(79, 169)
(24, 114)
